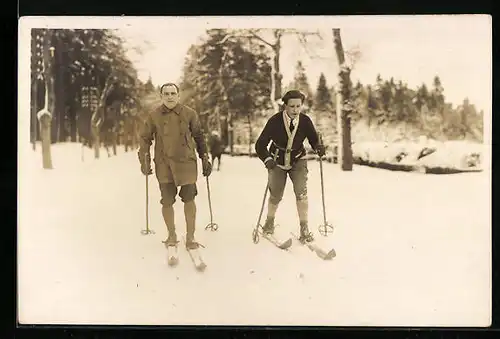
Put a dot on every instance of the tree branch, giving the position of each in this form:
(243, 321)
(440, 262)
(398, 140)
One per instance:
(256, 36)
(304, 41)
(251, 34)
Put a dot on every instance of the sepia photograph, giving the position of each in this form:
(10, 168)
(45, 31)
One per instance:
(255, 171)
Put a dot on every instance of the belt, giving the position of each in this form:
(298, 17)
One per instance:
(283, 149)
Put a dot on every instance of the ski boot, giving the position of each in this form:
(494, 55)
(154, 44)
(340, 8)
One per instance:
(305, 235)
(191, 244)
(171, 240)
(268, 228)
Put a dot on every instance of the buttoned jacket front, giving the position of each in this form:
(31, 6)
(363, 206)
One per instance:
(178, 136)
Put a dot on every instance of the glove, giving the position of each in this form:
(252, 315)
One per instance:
(145, 164)
(320, 150)
(207, 166)
(270, 164)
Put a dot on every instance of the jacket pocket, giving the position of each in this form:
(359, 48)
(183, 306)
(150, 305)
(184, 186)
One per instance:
(188, 149)
(189, 141)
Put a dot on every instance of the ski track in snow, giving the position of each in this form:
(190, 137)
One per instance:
(412, 249)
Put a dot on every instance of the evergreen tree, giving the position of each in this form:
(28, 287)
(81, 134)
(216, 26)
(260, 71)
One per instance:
(227, 81)
(301, 83)
(323, 98)
(437, 96)
(149, 87)
(81, 61)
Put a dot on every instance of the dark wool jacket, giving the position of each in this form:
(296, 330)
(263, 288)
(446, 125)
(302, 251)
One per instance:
(276, 131)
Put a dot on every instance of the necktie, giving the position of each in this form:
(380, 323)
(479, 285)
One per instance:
(291, 125)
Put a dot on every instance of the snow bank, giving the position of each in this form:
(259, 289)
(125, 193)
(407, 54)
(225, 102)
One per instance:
(426, 156)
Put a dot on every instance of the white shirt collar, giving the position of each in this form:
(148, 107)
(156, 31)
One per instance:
(288, 119)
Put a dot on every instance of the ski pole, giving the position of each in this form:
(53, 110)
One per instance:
(255, 234)
(326, 227)
(147, 230)
(211, 226)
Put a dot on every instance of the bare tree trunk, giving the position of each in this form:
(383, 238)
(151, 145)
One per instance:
(54, 92)
(230, 132)
(224, 98)
(72, 124)
(344, 122)
(250, 134)
(34, 88)
(34, 110)
(99, 115)
(45, 122)
(96, 141)
(44, 115)
(127, 131)
(60, 90)
(277, 76)
(59, 104)
(135, 134)
(114, 138)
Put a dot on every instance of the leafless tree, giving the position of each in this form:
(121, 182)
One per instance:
(45, 115)
(274, 44)
(344, 106)
(99, 115)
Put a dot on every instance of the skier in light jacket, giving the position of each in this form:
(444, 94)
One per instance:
(178, 135)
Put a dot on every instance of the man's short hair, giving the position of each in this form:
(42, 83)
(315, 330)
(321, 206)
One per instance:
(293, 94)
(169, 84)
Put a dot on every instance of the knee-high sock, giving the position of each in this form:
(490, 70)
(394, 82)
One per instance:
(168, 217)
(190, 216)
(271, 210)
(302, 209)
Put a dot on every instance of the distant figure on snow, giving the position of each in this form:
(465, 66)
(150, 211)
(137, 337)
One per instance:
(216, 148)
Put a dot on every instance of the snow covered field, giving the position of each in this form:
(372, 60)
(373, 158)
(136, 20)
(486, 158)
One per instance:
(412, 249)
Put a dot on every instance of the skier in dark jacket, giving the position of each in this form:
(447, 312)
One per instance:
(287, 131)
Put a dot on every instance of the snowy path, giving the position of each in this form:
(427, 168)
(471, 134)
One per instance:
(412, 249)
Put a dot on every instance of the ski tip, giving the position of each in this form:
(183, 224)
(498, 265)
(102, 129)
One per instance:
(173, 262)
(201, 267)
(330, 255)
(286, 244)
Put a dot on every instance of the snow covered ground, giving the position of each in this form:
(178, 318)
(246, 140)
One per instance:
(412, 249)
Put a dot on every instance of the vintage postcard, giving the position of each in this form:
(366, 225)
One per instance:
(248, 171)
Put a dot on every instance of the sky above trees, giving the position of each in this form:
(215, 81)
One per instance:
(411, 49)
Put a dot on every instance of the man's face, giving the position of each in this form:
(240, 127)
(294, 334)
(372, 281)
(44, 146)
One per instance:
(293, 107)
(169, 96)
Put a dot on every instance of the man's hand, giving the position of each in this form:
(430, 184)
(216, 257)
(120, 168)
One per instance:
(146, 170)
(207, 166)
(270, 164)
(320, 150)
(145, 164)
